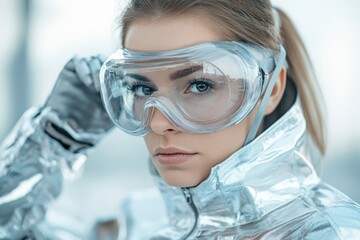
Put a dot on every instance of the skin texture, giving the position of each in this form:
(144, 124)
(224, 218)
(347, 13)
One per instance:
(210, 149)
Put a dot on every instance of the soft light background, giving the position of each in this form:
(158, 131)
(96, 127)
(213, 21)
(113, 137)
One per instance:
(37, 37)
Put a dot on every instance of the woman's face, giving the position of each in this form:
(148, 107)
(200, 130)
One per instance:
(182, 159)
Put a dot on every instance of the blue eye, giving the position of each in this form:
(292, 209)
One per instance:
(143, 91)
(140, 90)
(200, 86)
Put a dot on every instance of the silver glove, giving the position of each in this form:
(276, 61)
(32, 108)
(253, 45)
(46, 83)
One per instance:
(46, 146)
(81, 117)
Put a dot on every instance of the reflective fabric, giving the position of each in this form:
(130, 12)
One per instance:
(32, 168)
(266, 190)
(203, 88)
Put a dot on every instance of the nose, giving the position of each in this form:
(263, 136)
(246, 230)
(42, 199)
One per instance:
(160, 124)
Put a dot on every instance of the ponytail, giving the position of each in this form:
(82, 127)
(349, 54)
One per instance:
(300, 70)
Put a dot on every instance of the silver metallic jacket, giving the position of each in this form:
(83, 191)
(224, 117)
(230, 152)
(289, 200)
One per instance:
(267, 190)
(32, 168)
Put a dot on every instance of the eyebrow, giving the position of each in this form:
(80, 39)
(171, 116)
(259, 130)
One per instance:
(138, 77)
(176, 75)
(185, 72)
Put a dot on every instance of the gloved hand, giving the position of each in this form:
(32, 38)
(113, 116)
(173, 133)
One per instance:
(80, 115)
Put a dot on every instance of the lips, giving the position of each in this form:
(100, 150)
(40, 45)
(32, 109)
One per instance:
(172, 156)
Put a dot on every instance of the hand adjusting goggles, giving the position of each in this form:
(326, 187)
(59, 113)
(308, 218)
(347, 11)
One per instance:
(200, 89)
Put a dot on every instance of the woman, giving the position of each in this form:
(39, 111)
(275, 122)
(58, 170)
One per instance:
(230, 123)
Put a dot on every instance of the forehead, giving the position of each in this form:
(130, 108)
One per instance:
(169, 33)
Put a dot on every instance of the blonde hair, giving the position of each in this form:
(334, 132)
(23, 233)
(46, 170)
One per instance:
(250, 21)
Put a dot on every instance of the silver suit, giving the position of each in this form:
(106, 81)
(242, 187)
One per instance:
(269, 189)
(32, 168)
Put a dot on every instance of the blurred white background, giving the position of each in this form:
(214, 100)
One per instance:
(39, 36)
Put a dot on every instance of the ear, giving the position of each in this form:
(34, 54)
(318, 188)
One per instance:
(277, 92)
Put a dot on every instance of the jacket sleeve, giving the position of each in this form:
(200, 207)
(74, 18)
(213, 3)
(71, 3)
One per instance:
(32, 168)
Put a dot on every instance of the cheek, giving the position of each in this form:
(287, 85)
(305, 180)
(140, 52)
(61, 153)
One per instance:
(220, 145)
(150, 141)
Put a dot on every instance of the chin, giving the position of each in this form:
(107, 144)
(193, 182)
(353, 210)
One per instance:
(179, 178)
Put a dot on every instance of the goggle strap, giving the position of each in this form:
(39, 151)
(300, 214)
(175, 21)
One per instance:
(259, 115)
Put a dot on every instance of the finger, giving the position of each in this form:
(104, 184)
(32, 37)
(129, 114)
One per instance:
(70, 64)
(83, 71)
(95, 65)
(101, 58)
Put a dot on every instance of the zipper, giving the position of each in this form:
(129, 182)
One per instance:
(189, 200)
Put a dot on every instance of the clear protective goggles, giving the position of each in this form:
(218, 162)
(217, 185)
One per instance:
(200, 89)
